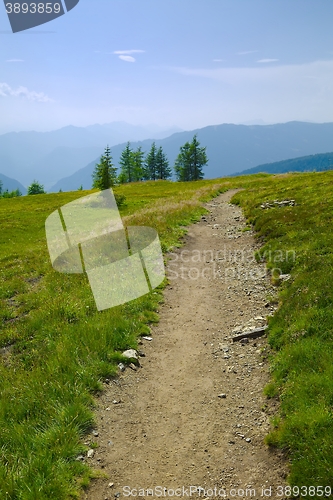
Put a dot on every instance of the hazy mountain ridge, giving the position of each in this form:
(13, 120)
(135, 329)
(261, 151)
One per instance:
(65, 158)
(11, 184)
(29, 155)
(310, 163)
(230, 148)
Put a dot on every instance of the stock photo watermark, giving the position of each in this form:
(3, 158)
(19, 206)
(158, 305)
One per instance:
(226, 264)
(26, 14)
(248, 492)
(87, 235)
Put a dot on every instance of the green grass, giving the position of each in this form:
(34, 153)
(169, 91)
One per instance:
(299, 241)
(59, 349)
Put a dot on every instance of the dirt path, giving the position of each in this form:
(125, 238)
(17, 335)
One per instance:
(168, 424)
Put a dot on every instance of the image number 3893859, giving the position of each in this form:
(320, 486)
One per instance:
(24, 14)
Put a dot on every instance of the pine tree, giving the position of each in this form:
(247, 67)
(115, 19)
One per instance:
(190, 161)
(163, 171)
(35, 188)
(183, 163)
(138, 165)
(150, 164)
(1, 186)
(126, 165)
(104, 175)
(198, 159)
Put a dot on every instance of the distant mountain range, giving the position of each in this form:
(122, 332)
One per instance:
(230, 148)
(310, 163)
(49, 156)
(65, 158)
(11, 184)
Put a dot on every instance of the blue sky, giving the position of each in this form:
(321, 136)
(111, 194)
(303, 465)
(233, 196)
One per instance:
(185, 63)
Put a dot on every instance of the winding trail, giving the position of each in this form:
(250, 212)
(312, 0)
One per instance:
(167, 424)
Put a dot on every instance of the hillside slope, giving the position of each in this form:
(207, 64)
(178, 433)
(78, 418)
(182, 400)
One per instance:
(48, 156)
(11, 184)
(57, 350)
(230, 148)
(311, 163)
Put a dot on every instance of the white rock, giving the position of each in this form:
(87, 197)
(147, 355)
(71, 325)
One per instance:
(130, 353)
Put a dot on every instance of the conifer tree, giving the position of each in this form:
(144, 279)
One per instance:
(150, 164)
(126, 165)
(138, 165)
(183, 163)
(190, 161)
(104, 175)
(163, 171)
(198, 159)
(35, 188)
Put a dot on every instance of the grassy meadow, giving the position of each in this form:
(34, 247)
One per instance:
(301, 331)
(56, 349)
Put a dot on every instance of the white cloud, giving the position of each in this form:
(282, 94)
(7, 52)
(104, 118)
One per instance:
(14, 60)
(218, 60)
(127, 58)
(134, 51)
(314, 71)
(245, 52)
(267, 60)
(31, 95)
(274, 92)
(124, 55)
(315, 79)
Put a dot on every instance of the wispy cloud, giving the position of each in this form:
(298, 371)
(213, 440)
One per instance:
(133, 51)
(124, 55)
(245, 52)
(31, 95)
(267, 60)
(127, 58)
(218, 60)
(14, 60)
(319, 71)
(275, 92)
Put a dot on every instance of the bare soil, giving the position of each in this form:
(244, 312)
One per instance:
(194, 413)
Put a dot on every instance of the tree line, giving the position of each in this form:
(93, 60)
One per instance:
(134, 166)
(34, 188)
(8, 194)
